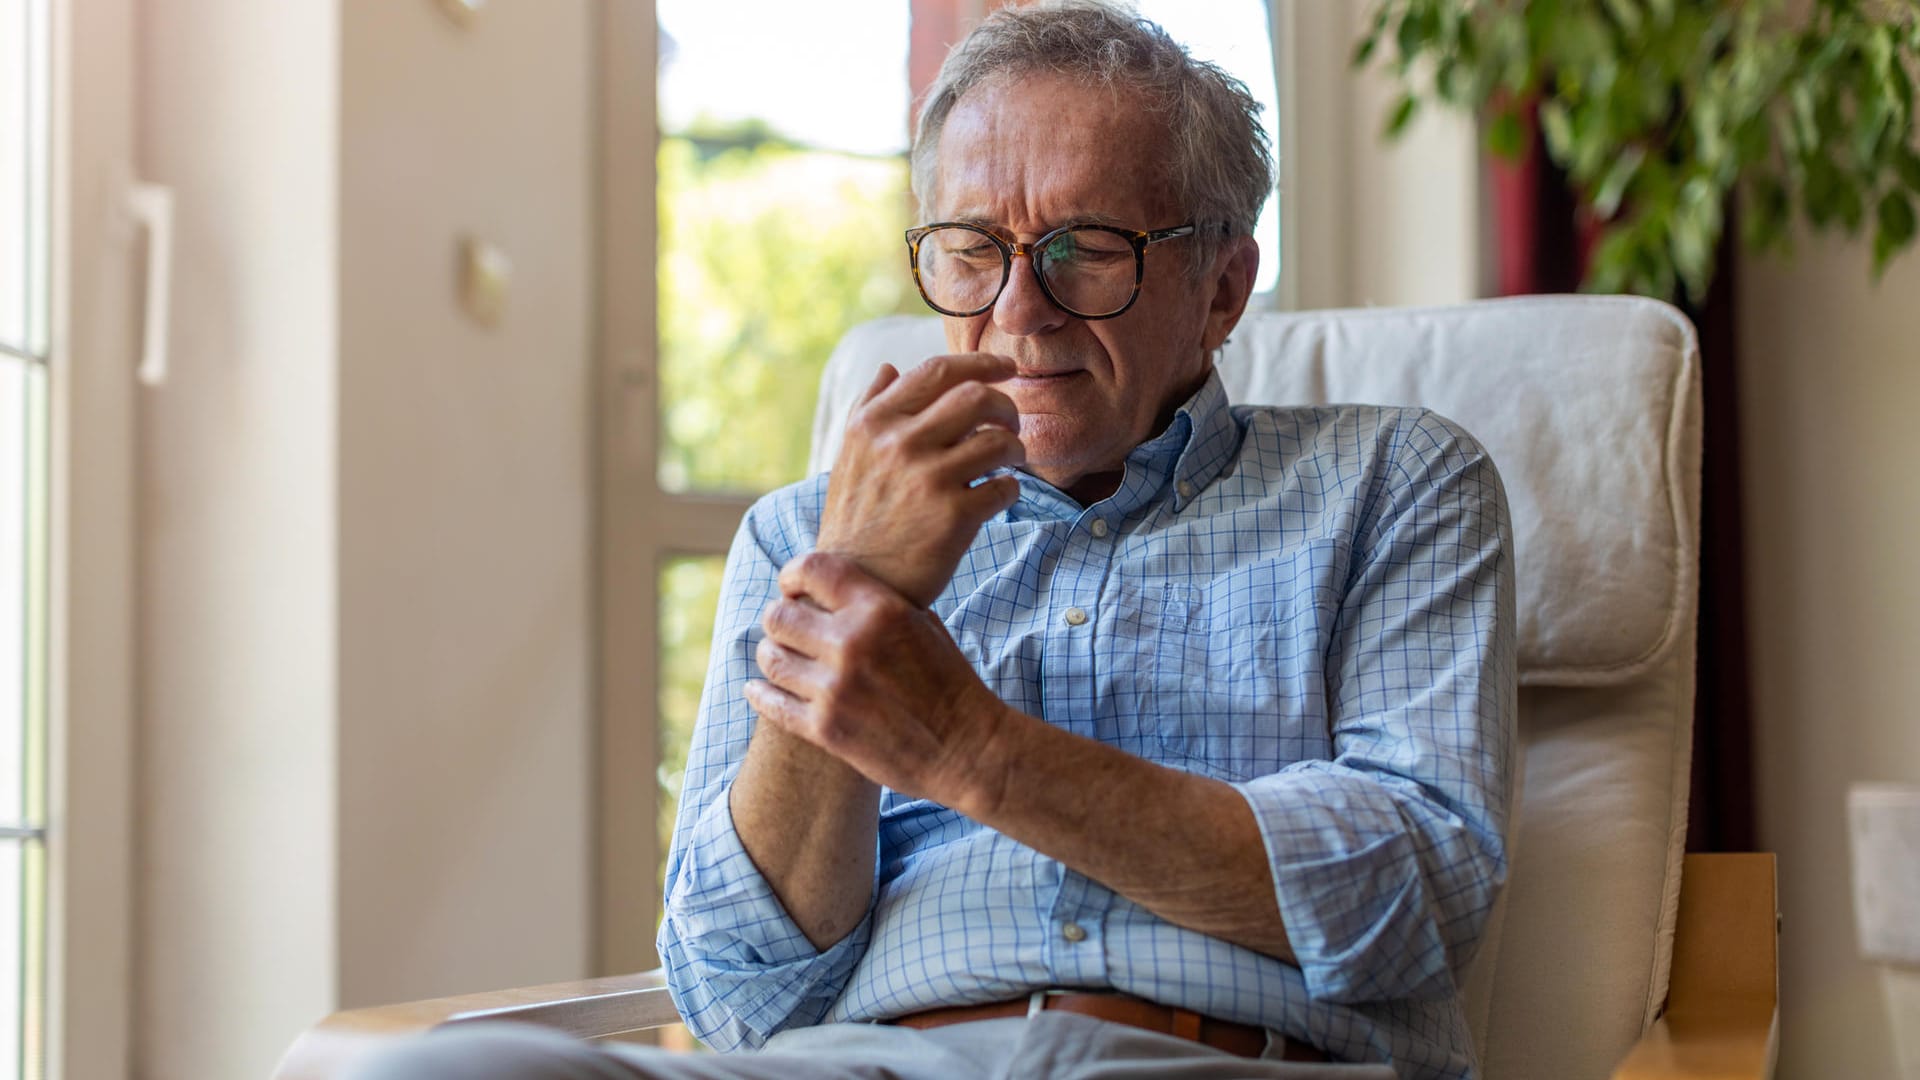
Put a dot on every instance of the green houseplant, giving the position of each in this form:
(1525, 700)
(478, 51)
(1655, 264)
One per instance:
(1660, 111)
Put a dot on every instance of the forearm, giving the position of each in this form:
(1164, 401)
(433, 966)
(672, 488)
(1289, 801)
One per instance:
(1185, 847)
(809, 822)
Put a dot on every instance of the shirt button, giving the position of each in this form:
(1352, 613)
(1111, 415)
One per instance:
(1075, 616)
(1185, 489)
(1073, 932)
(1099, 528)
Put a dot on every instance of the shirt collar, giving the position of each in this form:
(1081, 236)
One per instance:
(1190, 453)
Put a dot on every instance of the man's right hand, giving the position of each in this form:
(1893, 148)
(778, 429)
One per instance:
(901, 501)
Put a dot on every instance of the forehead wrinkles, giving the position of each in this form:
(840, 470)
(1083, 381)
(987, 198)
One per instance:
(1051, 147)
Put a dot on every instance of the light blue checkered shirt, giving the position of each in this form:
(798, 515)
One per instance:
(1312, 604)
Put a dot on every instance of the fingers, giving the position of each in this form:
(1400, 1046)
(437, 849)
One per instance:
(788, 670)
(922, 386)
(986, 449)
(882, 378)
(798, 625)
(989, 497)
(961, 410)
(775, 705)
(795, 716)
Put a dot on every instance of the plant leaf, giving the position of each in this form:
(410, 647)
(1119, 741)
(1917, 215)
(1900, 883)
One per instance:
(1402, 115)
(1556, 123)
(1907, 165)
(1765, 213)
(1626, 14)
(1606, 200)
(1896, 228)
(1363, 50)
(1506, 135)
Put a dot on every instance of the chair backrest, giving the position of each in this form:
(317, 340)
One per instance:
(1590, 407)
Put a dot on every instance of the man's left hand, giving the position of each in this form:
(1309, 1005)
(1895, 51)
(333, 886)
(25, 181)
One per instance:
(854, 668)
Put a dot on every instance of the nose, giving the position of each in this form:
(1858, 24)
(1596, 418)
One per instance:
(1023, 308)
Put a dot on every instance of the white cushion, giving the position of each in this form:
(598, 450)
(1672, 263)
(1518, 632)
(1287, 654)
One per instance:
(1593, 885)
(1580, 400)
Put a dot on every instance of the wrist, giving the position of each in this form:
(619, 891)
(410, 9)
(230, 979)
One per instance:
(889, 570)
(990, 769)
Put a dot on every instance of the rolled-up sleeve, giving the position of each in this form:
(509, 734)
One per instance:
(1387, 859)
(738, 966)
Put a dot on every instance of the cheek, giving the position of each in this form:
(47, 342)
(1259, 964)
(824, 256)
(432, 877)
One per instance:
(963, 335)
(1156, 346)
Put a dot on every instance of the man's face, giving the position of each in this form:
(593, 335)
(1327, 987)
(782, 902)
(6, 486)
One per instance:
(1026, 156)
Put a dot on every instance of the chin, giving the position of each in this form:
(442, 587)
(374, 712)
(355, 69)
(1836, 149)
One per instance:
(1059, 453)
(1052, 443)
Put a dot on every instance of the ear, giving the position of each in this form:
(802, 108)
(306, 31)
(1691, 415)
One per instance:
(1234, 268)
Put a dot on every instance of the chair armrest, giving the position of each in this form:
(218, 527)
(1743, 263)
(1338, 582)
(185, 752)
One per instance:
(1722, 1018)
(586, 1008)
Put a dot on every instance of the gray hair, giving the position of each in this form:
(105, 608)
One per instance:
(1219, 167)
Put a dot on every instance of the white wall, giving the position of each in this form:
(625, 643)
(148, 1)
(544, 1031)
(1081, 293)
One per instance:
(365, 637)
(1830, 387)
(465, 469)
(1371, 222)
(235, 843)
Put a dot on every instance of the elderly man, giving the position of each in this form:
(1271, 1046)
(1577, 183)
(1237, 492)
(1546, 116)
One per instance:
(1078, 723)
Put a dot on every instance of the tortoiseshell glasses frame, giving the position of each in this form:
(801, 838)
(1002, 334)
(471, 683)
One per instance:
(1036, 252)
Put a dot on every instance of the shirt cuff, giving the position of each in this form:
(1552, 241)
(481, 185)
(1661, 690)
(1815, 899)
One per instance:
(1348, 879)
(739, 967)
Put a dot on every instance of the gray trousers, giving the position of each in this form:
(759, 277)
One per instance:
(1065, 1046)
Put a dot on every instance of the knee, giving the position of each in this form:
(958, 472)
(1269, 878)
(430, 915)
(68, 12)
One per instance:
(479, 1052)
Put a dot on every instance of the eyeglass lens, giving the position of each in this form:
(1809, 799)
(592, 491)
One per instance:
(1088, 271)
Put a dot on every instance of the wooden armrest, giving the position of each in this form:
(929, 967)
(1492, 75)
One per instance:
(586, 1008)
(1722, 1018)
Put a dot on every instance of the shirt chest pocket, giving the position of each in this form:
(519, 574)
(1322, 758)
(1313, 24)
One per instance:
(1234, 667)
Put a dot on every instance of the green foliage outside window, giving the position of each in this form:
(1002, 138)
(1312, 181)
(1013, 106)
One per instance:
(689, 593)
(768, 254)
(1659, 110)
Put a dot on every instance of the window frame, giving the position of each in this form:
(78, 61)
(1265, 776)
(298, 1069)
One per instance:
(641, 525)
(91, 593)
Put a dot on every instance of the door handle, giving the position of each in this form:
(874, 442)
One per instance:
(151, 205)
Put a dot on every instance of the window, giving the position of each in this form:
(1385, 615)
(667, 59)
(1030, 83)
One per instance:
(1235, 35)
(24, 312)
(780, 222)
(782, 193)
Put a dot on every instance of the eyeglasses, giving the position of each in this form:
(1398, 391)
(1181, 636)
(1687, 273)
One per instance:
(1089, 271)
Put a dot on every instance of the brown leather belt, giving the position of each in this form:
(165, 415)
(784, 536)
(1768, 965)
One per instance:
(1243, 1040)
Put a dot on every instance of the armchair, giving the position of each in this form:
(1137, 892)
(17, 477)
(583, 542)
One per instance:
(1596, 963)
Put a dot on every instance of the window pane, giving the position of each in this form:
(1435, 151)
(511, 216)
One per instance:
(32, 1025)
(38, 152)
(15, 624)
(32, 744)
(783, 195)
(1235, 35)
(14, 72)
(689, 595)
(24, 276)
(12, 966)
